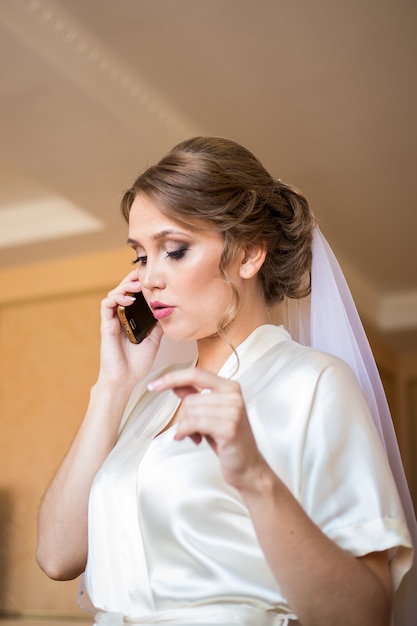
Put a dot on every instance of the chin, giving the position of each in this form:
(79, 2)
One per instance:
(185, 334)
(178, 334)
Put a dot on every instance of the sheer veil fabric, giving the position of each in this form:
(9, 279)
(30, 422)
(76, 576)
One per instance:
(328, 321)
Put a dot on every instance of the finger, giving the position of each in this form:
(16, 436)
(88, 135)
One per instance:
(132, 276)
(109, 305)
(215, 414)
(130, 281)
(183, 392)
(124, 294)
(196, 438)
(216, 432)
(131, 287)
(195, 378)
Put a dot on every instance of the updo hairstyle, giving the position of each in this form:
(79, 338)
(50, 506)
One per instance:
(208, 180)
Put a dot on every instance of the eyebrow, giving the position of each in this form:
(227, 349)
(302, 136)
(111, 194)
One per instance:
(160, 235)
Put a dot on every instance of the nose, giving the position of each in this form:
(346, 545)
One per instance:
(150, 277)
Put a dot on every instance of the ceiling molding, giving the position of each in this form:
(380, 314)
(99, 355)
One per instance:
(64, 43)
(75, 62)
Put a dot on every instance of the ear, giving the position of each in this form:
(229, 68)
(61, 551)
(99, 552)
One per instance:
(253, 257)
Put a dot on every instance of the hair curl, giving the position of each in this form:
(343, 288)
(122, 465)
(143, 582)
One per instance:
(212, 180)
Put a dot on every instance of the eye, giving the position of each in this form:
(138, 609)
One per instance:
(141, 260)
(179, 253)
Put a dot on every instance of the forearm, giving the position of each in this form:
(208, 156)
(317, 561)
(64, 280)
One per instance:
(324, 585)
(62, 525)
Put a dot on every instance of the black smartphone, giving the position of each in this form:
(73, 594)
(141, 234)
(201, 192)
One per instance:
(136, 318)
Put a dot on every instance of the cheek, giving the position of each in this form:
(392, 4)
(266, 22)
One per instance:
(204, 290)
(200, 274)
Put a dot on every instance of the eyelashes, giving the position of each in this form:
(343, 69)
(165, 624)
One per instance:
(179, 253)
(176, 255)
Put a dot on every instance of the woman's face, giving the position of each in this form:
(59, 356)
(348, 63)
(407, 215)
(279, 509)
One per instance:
(178, 270)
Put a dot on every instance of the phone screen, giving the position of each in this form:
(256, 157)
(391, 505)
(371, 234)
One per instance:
(136, 318)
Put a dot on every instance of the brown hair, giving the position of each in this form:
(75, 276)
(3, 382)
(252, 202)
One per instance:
(219, 181)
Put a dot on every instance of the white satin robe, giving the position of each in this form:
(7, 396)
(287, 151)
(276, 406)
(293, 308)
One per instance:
(167, 532)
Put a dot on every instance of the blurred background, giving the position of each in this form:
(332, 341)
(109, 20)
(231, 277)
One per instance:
(94, 91)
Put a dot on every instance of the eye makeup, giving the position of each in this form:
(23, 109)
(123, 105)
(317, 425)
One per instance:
(176, 255)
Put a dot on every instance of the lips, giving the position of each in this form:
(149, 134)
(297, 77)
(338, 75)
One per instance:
(160, 310)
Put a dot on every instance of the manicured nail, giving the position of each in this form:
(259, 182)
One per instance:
(154, 385)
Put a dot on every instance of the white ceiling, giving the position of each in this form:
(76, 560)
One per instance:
(323, 91)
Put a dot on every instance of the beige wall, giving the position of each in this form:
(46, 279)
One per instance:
(399, 377)
(49, 339)
(406, 381)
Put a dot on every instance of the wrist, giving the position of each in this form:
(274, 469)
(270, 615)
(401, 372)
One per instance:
(109, 387)
(259, 482)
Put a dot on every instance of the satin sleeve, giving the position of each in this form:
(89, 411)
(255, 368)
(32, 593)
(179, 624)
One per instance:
(313, 425)
(346, 484)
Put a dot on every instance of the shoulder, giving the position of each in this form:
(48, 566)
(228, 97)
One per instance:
(278, 369)
(297, 360)
(332, 383)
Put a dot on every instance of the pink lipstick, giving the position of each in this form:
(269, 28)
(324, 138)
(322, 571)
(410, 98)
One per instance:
(160, 310)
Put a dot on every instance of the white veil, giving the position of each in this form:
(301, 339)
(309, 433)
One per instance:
(328, 320)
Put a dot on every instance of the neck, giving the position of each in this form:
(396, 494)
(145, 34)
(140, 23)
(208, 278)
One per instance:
(213, 351)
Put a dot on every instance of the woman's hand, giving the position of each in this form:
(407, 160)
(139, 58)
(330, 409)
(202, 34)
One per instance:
(302, 558)
(120, 359)
(213, 407)
(63, 518)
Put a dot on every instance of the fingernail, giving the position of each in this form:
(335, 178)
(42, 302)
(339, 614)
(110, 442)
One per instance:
(154, 385)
